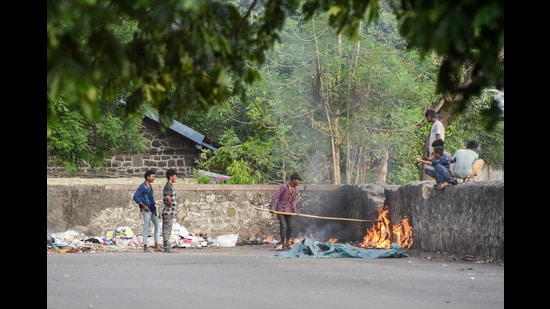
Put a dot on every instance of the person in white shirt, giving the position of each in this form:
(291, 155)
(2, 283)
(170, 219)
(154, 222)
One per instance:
(467, 162)
(436, 132)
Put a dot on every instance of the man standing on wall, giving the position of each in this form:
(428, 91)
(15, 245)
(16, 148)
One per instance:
(284, 200)
(170, 208)
(437, 131)
(145, 199)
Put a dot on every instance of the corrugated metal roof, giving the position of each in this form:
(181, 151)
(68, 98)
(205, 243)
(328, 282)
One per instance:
(215, 176)
(184, 130)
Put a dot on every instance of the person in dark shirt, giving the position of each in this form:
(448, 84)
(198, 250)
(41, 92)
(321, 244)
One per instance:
(145, 199)
(284, 200)
(442, 167)
(170, 208)
(428, 168)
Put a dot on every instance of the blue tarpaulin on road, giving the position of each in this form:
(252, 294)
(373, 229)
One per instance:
(309, 248)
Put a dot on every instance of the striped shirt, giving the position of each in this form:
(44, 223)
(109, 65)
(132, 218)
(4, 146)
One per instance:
(169, 191)
(283, 200)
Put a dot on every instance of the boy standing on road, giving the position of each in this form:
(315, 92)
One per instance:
(284, 201)
(146, 201)
(170, 208)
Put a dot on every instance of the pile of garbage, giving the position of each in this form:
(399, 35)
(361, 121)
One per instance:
(123, 238)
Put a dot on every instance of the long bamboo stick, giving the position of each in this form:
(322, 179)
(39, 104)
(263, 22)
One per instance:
(316, 217)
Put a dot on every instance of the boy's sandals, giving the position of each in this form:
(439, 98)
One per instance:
(445, 183)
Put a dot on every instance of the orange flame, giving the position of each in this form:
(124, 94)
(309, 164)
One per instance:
(268, 238)
(333, 240)
(381, 236)
(403, 233)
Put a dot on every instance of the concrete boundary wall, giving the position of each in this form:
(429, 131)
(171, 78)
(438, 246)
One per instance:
(463, 219)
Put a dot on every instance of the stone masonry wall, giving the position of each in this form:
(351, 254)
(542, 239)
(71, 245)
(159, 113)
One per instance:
(463, 219)
(165, 150)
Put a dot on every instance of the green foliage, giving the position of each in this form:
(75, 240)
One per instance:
(217, 119)
(491, 147)
(463, 32)
(68, 142)
(195, 53)
(385, 98)
(360, 99)
(72, 168)
(76, 141)
(472, 125)
(201, 179)
(241, 173)
(374, 93)
(186, 55)
(246, 162)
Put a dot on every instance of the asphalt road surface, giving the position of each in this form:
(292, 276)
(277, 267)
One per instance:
(245, 277)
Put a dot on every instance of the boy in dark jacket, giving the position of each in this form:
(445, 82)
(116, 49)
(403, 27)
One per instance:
(442, 168)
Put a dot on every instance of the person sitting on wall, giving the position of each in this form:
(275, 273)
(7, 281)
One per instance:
(429, 169)
(467, 162)
(442, 166)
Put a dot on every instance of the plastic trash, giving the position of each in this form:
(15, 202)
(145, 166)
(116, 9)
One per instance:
(228, 240)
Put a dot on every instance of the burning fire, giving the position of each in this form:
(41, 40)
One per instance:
(269, 239)
(380, 235)
(331, 240)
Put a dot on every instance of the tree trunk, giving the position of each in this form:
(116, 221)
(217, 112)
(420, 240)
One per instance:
(382, 175)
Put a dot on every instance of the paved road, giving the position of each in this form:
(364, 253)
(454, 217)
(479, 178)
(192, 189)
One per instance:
(245, 277)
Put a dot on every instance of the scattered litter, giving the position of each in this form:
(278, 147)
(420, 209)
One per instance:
(228, 240)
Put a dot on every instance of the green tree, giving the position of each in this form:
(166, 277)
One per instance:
(183, 55)
(375, 92)
(472, 125)
(352, 108)
(248, 160)
(194, 54)
(469, 36)
(77, 141)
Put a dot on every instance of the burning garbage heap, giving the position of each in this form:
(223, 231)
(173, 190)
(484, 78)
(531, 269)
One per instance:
(381, 240)
(381, 234)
